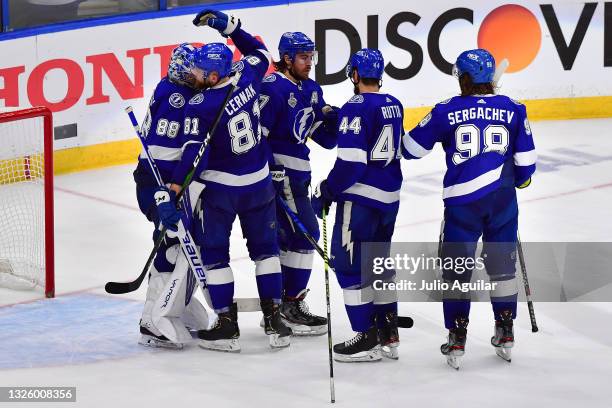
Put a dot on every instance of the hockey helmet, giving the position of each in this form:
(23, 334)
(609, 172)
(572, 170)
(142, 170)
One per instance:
(479, 64)
(292, 43)
(181, 63)
(214, 57)
(368, 62)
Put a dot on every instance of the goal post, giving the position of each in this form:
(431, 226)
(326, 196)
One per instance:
(26, 200)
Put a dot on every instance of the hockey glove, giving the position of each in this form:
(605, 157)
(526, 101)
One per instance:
(321, 199)
(225, 24)
(277, 172)
(169, 216)
(330, 118)
(525, 184)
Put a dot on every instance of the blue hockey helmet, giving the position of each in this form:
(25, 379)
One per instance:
(368, 62)
(214, 57)
(479, 64)
(292, 43)
(181, 63)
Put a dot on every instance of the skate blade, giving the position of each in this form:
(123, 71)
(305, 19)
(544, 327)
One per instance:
(453, 361)
(390, 351)
(361, 357)
(279, 342)
(225, 345)
(303, 330)
(153, 342)
(504, 352)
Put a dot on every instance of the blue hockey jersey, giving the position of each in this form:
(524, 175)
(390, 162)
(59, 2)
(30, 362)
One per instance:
(162, 129)
(291, 114)
(235, 160)
(368, 170)
(487, 140)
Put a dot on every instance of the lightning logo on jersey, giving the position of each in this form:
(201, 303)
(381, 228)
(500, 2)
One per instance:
(304, 120)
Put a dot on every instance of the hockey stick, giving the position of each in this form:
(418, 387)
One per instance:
(332, 389)
(404, 322)
(534, 325)
(500, 70)
(126, 287)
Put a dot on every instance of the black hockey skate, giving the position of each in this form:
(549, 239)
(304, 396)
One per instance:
(150, 339)
(388, 336)
(223, 336)
(503, 337)
(295, 314)
(363, 347)
(278, 334)
(454, 348)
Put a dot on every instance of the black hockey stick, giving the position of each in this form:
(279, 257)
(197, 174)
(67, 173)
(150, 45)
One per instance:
(126, 287)
(404, 322)
(534, 325)
(332, 389)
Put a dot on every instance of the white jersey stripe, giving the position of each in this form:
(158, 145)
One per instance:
(475, 184)
(352, 155)
(291, 162)
(163, 153)
(413, 147)
(525, 158)
(235, 180)
(373, 193)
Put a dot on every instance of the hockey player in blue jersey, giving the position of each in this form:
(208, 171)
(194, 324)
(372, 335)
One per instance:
(161, 127)
(293, 111)
(237, 177)
(365, 182)
(489, 152)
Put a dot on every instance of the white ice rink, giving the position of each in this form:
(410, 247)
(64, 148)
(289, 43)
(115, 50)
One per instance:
(88, 339)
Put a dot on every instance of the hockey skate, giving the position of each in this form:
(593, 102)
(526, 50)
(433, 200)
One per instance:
(295, 314)
(454, 348)
(361, 348)
(278, 334)
(150, 339)
(388, 337)
(223, 336)
(503, 337)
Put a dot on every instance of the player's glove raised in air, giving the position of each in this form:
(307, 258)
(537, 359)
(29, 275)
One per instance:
(321, 199)
(169, 216)
(330, 118)
(225, 24)
(526, 183)
(277, 171)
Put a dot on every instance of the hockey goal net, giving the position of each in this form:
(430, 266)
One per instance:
(26, 200)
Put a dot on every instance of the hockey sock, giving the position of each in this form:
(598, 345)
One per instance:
(220, 280)
(269, 278)
(296, 268)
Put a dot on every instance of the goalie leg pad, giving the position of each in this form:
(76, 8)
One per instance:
(169, 307)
